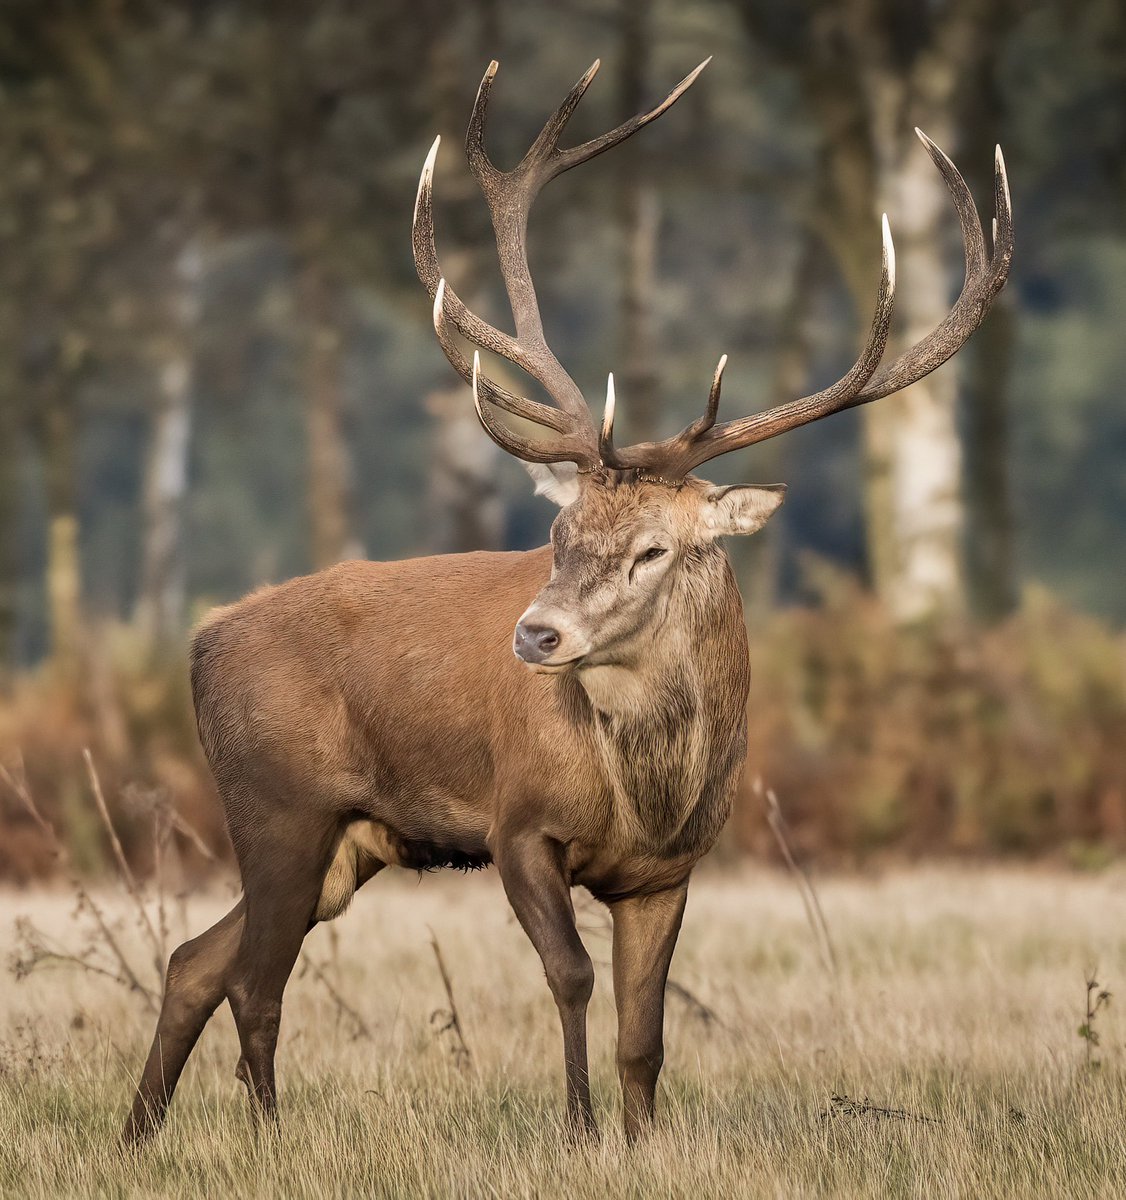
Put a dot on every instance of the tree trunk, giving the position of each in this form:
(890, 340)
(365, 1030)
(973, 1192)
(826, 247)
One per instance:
(330, 494)
(464, 509)
(639, 219)
(915, 454)
(161, 603)
(990, 549)
(64, 567)
(9, 525)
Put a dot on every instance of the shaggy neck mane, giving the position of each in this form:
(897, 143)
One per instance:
(656, 723)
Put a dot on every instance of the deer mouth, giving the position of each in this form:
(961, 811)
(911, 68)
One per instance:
(555, 668)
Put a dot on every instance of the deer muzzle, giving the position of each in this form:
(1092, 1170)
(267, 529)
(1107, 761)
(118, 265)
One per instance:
(547, 641)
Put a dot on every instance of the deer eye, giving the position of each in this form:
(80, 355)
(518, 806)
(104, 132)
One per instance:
(650, 554)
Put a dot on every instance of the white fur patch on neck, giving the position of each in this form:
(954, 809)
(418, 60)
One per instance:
(614, 689)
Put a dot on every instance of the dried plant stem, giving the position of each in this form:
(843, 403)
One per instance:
(695, 1005)
(806, 890)
(161, 829)
(342, 1005)
(462, 1054)
(1097, 998)
(123, 870)
(846, 1106)
(127, 976)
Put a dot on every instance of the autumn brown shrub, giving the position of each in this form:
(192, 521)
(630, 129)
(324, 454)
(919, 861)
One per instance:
(132, 709)
(941, 738)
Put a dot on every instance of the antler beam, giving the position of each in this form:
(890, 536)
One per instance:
(867, 380)
(510, 195)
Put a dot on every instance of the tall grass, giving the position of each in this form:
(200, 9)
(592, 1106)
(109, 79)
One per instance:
(949, 1041)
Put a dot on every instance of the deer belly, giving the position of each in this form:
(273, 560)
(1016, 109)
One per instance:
(367, 846)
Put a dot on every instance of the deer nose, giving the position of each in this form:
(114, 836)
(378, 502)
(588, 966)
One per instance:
(535, 643)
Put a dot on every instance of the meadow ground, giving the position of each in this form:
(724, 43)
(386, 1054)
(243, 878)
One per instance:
(958, 1003)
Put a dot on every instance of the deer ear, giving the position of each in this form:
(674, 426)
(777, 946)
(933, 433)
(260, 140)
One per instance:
(559, 482)
(739, 508)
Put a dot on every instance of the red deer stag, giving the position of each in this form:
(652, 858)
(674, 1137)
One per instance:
(386, 714)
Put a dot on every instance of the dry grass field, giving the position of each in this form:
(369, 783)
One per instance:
(958, 1003)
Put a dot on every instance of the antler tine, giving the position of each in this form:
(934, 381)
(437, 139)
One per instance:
(518, 406)
(867, 381)
(547, 450)
(702, 424)
(606, 451)
(564, 160)
(973, 239)
(547, 140)
(510, 195)
(1002, 224)
(479, 162)
(703, 440)
(430, 272)
(978, 290)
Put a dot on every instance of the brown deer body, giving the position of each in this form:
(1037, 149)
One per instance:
(385, 714)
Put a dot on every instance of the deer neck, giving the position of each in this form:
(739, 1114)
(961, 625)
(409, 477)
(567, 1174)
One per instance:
(688, 647)
(665, 723)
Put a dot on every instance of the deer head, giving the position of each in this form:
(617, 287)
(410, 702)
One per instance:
(637, 529)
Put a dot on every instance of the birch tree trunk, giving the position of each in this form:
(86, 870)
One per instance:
(871, 70)
(915, 503)
(914, 451)
(161, 602)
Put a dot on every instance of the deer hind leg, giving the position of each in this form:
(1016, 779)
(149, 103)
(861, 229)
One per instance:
(282, 882)
(194, 987)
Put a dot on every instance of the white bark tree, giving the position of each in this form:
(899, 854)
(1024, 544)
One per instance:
(160, 608)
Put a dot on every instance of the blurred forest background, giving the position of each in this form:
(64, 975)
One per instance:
(217, 369)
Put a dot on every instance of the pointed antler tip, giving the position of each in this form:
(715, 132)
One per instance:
(889, 248)
(929, 142)
(437, 315)
(721, 364)
(492, 68)
(607, 431)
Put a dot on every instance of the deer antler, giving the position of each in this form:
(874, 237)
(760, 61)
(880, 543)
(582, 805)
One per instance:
(510, 195)
(673, 458)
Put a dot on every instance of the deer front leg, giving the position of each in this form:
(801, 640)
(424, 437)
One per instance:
(645, 933)
(531, 868)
